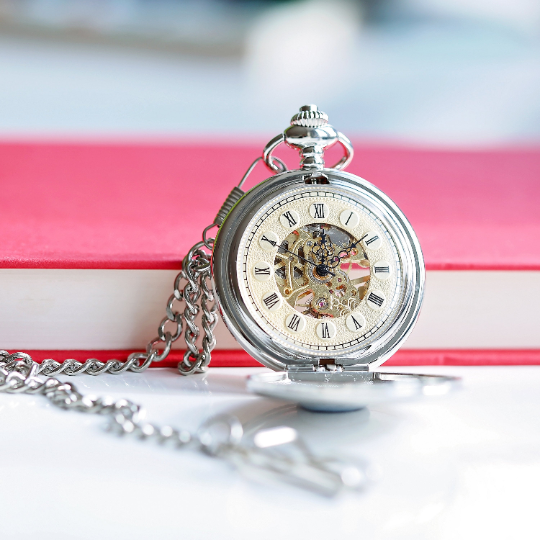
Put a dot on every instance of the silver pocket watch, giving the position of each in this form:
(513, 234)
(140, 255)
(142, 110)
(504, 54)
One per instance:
(320, 277)
(317, 274)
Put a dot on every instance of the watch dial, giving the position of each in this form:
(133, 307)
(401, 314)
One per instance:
(319, 271)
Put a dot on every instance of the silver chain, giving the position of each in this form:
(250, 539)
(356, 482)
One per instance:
(193, 286)
(267, 454)
(19, 375)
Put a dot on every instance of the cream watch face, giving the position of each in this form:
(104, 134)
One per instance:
(318, 271)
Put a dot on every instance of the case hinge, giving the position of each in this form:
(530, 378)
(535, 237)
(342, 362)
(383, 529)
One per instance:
(330, 364)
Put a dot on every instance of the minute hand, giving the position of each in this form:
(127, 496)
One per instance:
(302, 258)
(348, 249)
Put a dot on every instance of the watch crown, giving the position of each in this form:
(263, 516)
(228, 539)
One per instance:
(309, 116)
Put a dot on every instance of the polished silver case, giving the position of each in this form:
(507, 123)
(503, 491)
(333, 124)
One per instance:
(257, 341)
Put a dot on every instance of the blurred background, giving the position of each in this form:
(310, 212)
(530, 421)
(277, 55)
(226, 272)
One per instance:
(460, 73)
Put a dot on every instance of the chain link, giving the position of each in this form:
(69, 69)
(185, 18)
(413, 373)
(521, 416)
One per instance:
(193, 286)
(220, 436)
(198, 290)
(19, 375)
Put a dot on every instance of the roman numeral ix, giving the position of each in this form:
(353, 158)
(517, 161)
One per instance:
(262, 271)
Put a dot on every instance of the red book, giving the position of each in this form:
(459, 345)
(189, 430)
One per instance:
(93, 234)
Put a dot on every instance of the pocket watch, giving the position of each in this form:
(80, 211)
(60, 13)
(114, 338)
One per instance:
(319, 276)
(316, 272)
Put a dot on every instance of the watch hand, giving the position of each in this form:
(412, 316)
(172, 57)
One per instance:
(322, 247)
(302, 258)
(335, 261)
(348, 249)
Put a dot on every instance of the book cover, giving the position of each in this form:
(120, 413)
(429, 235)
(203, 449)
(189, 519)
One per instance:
(93, 235)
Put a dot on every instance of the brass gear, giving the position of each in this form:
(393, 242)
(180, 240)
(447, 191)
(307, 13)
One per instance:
(317, 293)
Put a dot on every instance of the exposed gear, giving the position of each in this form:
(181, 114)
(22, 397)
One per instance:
(319, 274)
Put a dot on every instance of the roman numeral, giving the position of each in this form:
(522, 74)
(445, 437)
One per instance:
(382, 269)
(375, 299)
(271, 300)
(371, 240)
(272, 242)
(290, 219)
(294, 323)
(357, 325)
(318, 210)
(349, 218)
(325, 331)
(355, 322)
(262, 271)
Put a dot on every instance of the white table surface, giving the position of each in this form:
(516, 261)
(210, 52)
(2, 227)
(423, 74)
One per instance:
(459, 467)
